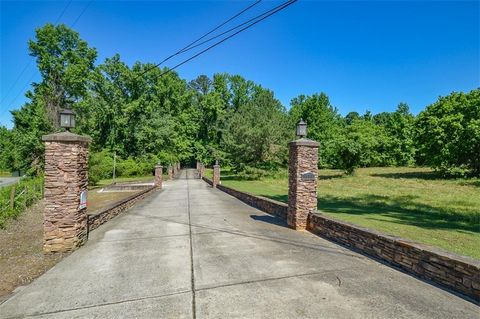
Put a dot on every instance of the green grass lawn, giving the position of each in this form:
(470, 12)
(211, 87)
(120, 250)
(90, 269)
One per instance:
(412, 203)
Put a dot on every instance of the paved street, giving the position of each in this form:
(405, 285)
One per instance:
(5, 181)
(191, 251)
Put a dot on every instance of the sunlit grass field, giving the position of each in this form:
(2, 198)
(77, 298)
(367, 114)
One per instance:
(413, 203)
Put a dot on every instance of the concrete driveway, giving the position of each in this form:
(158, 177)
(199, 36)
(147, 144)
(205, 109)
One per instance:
(191, 251)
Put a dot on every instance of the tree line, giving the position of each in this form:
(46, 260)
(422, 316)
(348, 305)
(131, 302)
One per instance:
(146, 114)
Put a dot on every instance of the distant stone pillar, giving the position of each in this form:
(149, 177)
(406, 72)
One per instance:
(200, 170)
(216, 175)
(198, 165)
(158, 176)
(302, 182)
(174, 167)
(66, 181)
(170, 172)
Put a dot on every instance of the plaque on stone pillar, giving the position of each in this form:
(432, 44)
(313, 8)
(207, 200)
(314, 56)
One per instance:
(308, 177)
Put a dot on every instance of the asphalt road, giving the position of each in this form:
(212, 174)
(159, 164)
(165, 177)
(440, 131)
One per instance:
(5, 181)
(191, 251)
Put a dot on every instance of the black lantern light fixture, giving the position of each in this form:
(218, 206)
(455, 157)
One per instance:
(301, 129)
(67, 119)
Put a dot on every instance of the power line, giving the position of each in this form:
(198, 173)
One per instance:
(186, 48)
(81, 14)
(16, 81)
(30, 62)
(223, 23)
(281, 7)
(63, 12)
(56, 21)
(230, 30)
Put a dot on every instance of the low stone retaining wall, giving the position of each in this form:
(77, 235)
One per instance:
(458, 273)
(264, 204)
(95, 219)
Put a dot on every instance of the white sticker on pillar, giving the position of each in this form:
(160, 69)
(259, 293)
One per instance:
(83, 200)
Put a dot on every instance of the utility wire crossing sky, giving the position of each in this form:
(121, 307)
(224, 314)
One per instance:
(363, 55)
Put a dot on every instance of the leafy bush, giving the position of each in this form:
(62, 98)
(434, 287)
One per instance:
(101, 166)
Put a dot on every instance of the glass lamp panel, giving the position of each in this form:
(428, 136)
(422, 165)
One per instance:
(64, 120)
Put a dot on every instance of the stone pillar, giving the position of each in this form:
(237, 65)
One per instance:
(170, 172)
(66, 181)
(302, 181)
(200, 170)
(198, 165)
(216, 175)
(158, 176)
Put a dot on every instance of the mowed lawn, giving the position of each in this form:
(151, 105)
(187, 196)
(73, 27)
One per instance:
(412, 203)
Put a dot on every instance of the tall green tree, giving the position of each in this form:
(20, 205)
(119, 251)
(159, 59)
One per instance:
(64, 61)
(448, 133)
(323, 120)
(6, 148)
(257, 133)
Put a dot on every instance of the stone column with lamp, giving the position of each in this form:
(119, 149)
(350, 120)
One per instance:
(216, 174)
(158, 176)
(66, 181)
(302, 178)
(201, 170)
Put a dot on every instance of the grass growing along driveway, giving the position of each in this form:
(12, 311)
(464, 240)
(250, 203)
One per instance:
(412, 203)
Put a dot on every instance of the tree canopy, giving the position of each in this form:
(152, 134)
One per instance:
(145, 114)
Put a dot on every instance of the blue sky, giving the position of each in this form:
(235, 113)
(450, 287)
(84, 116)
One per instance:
(363, 55)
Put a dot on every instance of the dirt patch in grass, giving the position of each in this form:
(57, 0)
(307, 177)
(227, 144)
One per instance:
(21, 255)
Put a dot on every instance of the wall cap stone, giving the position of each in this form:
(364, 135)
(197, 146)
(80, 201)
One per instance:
(304, 142)
(66, 137)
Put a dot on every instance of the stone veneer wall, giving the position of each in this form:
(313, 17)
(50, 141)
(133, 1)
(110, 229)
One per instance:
(461, 274)
(457, 273)
(100, 217)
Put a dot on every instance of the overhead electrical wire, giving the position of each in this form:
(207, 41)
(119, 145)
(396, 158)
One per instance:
(230, 30)
(211, 31)
(30, 62)
(188, 47)
(264, 16)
